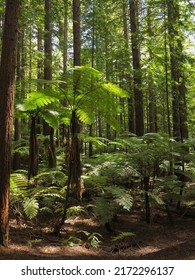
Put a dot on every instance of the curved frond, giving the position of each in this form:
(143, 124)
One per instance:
(51, 117)
(31, 207)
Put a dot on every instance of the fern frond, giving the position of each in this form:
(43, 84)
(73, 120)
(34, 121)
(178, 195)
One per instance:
(51, 117)
(121, 197)
(99, 141)
(123, 235)
(18, 184)
(87, 117)
(36, 100)
(104, 210)
(114, 89)
(156, 198)
(75, 210)
(31, 207)
(53, 175)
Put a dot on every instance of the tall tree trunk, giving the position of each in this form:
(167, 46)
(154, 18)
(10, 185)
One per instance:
(40, 58)
(75, 128)
(7, 80)
(40, 66)
(48, 77)
(92, 65)
(17, 122)
(152, 118)
(137, 81)
(166, 73)
(131, 109)
(179, 112)
(63, 41)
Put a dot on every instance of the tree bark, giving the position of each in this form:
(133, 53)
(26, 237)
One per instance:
(75, 128)
(179, 111)
(17, 122)
(48, 77)
(131, 109)
(152, 118)
(7, 81)
(137, 80)
(33, 150)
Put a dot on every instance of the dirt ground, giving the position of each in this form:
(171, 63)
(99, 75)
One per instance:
(157, 241)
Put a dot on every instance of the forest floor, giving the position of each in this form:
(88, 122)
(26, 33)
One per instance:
(157, 241)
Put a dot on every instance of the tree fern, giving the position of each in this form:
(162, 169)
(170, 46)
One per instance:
(93, 95)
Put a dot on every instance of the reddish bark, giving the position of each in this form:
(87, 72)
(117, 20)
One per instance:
(7, 81)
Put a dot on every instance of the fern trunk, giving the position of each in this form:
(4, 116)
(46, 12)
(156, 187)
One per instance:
(75, 158)
(147, 200)
(33, 150)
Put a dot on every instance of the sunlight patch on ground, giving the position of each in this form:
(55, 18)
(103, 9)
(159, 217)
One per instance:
(147, 250)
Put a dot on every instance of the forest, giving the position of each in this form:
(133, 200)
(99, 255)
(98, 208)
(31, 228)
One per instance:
(97, 123)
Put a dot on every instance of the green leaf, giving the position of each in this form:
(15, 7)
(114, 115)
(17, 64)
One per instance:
(114, 89)
(31, 207)
(121, 197)
(123, 235)
(51, 117)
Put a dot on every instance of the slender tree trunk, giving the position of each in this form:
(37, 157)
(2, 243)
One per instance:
(7, 79)
(17, 122)
(63, 38)
(75, 128)
(146, 183)
(137, 81)
(131, 109)
(92, 65)
(166, 74)
(152, 118)
(48, 77)
(33, 150)
(76, 32)
(40, 58)
(40, 66)
(179, 111)
(48, 42)
(30, 59)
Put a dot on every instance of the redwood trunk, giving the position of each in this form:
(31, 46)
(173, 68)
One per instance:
(48, 77)
(137, 81)
(75, 149)
(179, 111)
(7, 81)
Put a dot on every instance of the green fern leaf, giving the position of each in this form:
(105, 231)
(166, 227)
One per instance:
(18, 184)
(104, 210)
(86, 117)
(121, 197)
(114, 89)
(51, 117)
(123, 235)
(31, 207)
